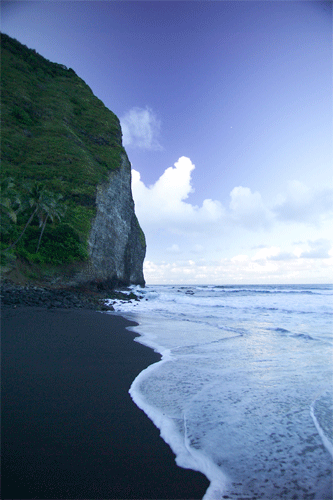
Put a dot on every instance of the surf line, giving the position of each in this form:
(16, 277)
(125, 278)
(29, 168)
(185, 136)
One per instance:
(186, 456)
(326, 442)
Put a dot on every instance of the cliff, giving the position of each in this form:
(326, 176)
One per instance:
(116, 242)
(60, 138)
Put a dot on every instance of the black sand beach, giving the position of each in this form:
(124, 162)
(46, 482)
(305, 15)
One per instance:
(69, 427)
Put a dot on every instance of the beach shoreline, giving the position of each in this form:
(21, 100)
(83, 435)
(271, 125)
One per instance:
(70, 427)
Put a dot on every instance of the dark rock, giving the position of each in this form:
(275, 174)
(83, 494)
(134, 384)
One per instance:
(13, 296)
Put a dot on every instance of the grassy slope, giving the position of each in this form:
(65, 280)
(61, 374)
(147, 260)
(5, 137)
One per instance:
(56, 131)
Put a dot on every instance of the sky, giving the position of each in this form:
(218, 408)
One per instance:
(226, 112)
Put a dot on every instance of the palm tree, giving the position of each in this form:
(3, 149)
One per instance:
(10, 203)
(34, 200)
(51, 208)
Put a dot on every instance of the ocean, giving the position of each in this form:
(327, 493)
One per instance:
(243, 392)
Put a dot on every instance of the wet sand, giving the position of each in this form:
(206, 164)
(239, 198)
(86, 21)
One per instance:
(69, 427)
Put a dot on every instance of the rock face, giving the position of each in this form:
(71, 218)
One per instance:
(116, 243)
(57, 132)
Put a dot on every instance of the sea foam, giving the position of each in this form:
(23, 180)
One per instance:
(243, 390)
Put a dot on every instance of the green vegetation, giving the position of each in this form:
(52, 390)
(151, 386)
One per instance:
(26, 210)
(59, 140)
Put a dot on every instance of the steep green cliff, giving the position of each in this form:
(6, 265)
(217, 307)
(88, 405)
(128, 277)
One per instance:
(57, 134)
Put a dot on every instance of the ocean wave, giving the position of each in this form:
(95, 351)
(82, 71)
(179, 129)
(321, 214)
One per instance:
(237, 377)
(280, 330)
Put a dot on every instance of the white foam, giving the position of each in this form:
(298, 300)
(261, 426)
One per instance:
(232, 392)
(326, 441)
(186, 456)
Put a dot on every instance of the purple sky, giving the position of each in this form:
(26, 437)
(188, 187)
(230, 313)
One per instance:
(242, 89)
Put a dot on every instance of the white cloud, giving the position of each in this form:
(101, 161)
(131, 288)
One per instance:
(164, 203)
(241, 269)
(248, 209)
(274, 253)
(283, 256)
(141, 129)
(319, 249)
(266, 253)
(303, 204)
(210, 234)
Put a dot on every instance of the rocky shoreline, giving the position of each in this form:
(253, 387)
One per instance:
(14, 295)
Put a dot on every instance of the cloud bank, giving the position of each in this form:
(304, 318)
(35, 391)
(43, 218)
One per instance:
(248, 210)
(141, 129)
(190, 244)
(303, 204)
(240, 269)
(318, 249)
(165, 204)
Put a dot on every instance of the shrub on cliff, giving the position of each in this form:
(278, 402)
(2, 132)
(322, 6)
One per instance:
(61, 244)
(26, 209)
(56, 132)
